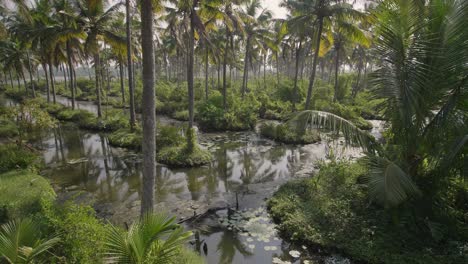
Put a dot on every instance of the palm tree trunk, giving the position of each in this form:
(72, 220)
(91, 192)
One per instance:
(337, 67)
(148, 113)
(314, 64)
(190, 71)
(264, 70)
(11, 79)
(64, 69)
(18, 81)
(70, 66)
(122, 86)
(226, 48)
(31, 75)
(277, 68)
(44, 67)
(296, 74)
(97, 70)
(130, 66)
(206, 70)
(52, 82)
(245, 78)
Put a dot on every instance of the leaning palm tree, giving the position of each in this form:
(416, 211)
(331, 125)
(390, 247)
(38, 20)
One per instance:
(151, 239)
(20, 242)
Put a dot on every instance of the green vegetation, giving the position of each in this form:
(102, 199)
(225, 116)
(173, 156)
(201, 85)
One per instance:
(21, 193)
(14, 157)
(185, 153)
(284, 133)
(159, 240)
(331, 210)
(241, 114)
(8, 128)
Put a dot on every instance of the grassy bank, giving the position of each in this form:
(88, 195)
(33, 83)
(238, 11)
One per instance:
(331, 211)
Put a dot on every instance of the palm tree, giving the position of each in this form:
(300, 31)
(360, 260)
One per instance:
(151, 239)
(148, 107)
(20, 242)
(322, 13)
(345, 32)
(96, 24)
(256, 30)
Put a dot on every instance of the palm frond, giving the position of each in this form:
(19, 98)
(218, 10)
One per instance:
(313, 119)
(388, 184)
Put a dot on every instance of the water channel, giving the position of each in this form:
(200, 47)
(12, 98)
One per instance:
(245, 171)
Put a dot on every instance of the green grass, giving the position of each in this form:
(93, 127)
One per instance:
(331, 211)
(21, 193)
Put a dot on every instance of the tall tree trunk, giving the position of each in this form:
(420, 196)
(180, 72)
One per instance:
(264, 70)
(130, 66)
(337, 67)
(70, 65)
(98, 75)
(148, 113)
(11, 79)
(18, 81)
(44, 67)
(245, 77)
(206, 70)
(190, 57)
(65, 72)
(31, 75)
(296, 73)
(277, 68)
(226, 48)
(122, 86)
(52, 81)
(314, 64)
(358, 79)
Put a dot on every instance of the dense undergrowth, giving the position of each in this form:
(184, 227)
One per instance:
(332, 211)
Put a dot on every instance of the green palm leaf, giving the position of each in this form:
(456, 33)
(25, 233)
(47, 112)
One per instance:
(388, 184)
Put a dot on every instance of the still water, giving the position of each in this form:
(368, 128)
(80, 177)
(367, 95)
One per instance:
(245, 171)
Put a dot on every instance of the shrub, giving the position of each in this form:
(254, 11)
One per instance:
(168, 136)
(331, 210)
(15, 157)
(21, 193)
(8, 128)
(283, 133)
(126, 139)
(181, 115)
(181, 156)
(241, 114)
(81, 233)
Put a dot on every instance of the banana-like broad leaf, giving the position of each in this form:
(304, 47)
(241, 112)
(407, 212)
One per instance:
(388, 184)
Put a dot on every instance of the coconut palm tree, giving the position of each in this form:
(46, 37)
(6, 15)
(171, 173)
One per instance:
(151, 239)
(256, 31)
(95, 22)
(322, 13)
